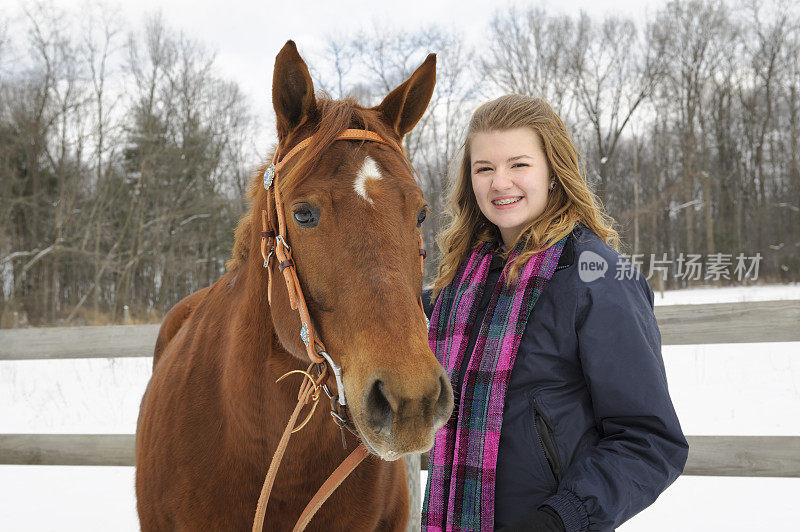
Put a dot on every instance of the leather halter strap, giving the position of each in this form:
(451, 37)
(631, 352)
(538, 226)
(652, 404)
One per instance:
(274, 243)
(347, 134)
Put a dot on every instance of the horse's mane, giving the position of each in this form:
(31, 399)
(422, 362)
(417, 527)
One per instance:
(332, 117)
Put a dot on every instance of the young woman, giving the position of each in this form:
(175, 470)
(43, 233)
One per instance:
(563, 420)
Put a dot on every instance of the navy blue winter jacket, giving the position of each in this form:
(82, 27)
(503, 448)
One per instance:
(588, 424)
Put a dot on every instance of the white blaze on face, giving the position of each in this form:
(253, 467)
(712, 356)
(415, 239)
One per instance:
(369, 170)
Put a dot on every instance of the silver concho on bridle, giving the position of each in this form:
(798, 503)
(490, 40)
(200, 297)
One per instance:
(269, 176)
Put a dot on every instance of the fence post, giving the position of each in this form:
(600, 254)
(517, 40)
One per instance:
(16, 319)
(413, 465)
(126, 317)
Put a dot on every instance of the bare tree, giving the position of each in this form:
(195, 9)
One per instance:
(697, 35)
(612, 70)
(528, 54)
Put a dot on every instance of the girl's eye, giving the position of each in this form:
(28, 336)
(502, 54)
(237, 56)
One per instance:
(306, 216)
(421, 216)
(481, 169)
(515, 165)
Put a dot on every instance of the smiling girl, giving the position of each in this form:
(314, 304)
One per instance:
(563, 419)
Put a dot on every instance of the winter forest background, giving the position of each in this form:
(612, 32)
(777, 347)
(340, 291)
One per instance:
(125, 155)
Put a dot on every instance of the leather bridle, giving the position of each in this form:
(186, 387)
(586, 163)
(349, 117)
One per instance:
(274, 244)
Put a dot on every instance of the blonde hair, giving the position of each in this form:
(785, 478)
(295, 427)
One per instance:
(569, 202)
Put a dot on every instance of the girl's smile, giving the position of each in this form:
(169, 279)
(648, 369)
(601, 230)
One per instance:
(506, 202)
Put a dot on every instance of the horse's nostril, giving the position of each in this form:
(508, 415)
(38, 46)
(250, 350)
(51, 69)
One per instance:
(379, 411)
(444, 403)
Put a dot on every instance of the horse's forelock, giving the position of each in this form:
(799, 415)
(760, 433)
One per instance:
(334, 116)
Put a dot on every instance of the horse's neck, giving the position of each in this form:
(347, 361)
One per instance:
(253, 363)
(258, 407)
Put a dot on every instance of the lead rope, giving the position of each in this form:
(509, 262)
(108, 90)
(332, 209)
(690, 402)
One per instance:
(266, 489)
(330, 485)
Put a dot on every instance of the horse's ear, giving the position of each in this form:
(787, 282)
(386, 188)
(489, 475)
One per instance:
(404, 106)
(292, 90)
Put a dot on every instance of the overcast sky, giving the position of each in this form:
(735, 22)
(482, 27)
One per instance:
(247, 35)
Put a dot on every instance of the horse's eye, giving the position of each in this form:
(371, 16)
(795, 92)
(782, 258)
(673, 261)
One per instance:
(421, 216)
(306, 216)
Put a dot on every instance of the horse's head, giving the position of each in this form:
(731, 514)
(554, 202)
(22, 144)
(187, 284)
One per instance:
(353, 212)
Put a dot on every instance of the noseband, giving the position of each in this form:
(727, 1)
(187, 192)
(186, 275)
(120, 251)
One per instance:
(274, 244)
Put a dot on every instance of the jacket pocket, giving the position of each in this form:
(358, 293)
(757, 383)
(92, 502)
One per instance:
(545, 432)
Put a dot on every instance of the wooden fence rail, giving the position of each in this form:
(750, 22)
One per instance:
(719, 456)
(749, 456)
(67, 449)
(762, 321)
(107, 341)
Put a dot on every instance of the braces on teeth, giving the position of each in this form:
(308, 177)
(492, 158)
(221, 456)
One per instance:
(507, 201)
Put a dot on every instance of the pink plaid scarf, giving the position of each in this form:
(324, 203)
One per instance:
(461, 472)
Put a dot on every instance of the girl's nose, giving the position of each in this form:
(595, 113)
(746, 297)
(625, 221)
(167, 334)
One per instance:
(501, 181)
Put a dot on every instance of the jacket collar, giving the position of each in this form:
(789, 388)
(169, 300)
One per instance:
(568, 253)
(564, 261)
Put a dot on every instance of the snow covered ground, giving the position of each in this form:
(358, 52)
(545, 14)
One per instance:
(718, 389)
(734, 294)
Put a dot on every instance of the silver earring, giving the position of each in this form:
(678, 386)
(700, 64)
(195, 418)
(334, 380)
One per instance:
(552, 184)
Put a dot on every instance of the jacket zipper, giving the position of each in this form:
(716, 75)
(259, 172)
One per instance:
(544, 430)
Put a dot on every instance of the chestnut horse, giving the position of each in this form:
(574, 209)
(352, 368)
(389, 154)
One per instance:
(212, 414)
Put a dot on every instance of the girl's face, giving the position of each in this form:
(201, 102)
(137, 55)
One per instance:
(510, 178)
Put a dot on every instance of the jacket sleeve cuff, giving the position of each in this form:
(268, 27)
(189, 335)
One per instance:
(570, 509)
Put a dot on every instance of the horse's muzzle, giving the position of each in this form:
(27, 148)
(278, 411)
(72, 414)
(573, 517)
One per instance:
(403, 414)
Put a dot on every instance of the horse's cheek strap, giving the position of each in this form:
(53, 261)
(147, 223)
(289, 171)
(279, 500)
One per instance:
(287, 276)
